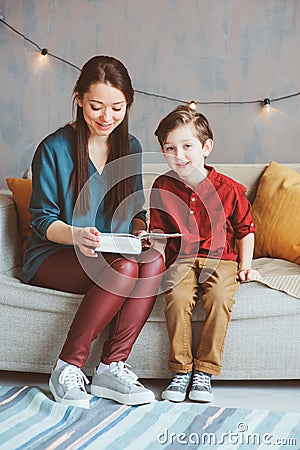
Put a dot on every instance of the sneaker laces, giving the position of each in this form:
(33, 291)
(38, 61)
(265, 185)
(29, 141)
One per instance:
(201, 379)
(72, 377)
(180, 380)
(121, 371)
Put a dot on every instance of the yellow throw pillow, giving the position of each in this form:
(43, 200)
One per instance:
(21, 190)
(276, 213)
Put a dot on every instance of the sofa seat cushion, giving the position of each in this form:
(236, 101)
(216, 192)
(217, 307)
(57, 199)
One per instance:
(253, 300)
(257, 299)
(35, 298)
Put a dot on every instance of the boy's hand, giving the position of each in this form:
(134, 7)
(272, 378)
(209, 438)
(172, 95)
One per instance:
(158, 244)
(249, 275)
(145, 242)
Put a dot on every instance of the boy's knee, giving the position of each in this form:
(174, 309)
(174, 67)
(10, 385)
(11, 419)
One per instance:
(176, 300)
(217, 298)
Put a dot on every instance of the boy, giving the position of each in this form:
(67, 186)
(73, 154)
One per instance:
(214, 215)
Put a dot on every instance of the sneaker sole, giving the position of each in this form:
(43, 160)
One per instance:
(79, 403)
(125, 399)
(173, 396)
(200, 396)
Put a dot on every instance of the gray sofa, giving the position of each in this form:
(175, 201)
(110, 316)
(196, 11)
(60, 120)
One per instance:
(263, 338)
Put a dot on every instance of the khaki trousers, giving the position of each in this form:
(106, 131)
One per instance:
(219, 282)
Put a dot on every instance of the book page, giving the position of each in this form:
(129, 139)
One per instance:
(128, 243)
(154, 235)
(119, 243)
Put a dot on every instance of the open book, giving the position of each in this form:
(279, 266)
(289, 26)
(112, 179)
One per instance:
(128, 243)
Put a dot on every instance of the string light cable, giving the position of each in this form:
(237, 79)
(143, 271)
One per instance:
(44, 51)
(266, 103)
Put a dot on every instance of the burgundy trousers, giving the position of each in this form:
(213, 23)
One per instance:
(118, 289)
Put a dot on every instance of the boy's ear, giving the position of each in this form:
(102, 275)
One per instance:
(208, 146)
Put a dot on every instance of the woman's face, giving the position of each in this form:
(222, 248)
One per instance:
(104, 108)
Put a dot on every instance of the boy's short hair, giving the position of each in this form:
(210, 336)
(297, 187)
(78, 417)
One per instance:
(183, 115)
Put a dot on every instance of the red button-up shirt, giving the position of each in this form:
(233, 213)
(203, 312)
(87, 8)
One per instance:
(211, 216)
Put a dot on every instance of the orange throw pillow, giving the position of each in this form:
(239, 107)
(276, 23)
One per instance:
(276, 213)
(21, 190)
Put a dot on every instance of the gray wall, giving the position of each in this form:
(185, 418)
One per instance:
(208, 50)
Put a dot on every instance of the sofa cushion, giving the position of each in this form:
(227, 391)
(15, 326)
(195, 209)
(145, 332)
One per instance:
(276, 212)
(253, 300)
(21, 190)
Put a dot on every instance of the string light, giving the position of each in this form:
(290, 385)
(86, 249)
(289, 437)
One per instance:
(192, 104)
(44, 52)
(267, 104)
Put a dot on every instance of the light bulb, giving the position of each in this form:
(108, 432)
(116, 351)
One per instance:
(192, 104)
(267, 103)
(44, 52)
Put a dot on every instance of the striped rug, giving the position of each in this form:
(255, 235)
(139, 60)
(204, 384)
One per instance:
(30, 420)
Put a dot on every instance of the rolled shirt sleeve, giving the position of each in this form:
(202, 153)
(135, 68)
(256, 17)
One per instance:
(44, 207)
(241, 218)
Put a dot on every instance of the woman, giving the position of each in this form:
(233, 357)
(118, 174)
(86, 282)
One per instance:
(87, 180)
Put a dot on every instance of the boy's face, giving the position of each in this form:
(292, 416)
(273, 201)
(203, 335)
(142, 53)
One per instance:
(184, 152)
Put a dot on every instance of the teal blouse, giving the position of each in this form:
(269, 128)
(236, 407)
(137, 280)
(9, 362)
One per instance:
(53, 199)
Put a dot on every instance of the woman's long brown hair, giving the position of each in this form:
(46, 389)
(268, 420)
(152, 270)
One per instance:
(103, 69)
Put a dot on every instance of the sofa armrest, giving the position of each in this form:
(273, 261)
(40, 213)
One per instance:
(10, 239)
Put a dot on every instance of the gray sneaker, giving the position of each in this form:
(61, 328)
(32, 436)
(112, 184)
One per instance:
(67, 386)
(177, 389)
(120, 384)
(201, 388)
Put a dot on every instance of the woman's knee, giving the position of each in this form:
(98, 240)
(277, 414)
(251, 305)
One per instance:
(119, 277)
(126, 267)
(152, 264)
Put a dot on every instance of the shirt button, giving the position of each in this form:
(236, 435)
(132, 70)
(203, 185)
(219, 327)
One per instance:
(193, 199)
(191, 212)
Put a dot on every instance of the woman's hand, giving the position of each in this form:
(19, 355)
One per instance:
(249, 275)
(87, 239)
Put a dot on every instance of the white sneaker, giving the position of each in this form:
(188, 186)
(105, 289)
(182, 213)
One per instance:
(120, 384)
(67, 386)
